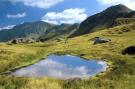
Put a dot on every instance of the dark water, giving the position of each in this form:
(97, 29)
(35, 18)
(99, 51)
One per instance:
(62, 67)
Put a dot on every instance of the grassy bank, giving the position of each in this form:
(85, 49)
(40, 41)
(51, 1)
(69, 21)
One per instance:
(120, 76)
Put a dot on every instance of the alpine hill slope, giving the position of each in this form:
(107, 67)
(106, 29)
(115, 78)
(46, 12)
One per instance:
(25, 30)
(35, 30)
(112, 16)
(62, 31)
(104, 19)
(119, 75)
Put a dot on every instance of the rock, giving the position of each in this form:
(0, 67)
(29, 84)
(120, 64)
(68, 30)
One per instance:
(29, 41)
(22, 40)
(82, 54)
(98, 40)
(14, 41)
(42, 40)
(129, 50)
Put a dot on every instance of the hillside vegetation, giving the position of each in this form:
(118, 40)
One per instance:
(120, 75)
(104, 19)
(121, 21)
(37, 30)
(43, 31)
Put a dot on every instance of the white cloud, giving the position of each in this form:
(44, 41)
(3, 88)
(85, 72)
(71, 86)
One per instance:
(7, 27)
(59, 67)
(69, 16)
(38, 3)
(18, 15)
(103, 64)
(128, 3)
(52, 69)
(50, 21)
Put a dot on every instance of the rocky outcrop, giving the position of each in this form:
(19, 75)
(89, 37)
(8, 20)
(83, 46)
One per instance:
(21, 40)
(98, 40)
(129, 50)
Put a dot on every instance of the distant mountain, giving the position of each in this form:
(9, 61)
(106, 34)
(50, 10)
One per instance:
(112, 16)
(60, 31)
(25, 30)
(35, 30)
(104, 19)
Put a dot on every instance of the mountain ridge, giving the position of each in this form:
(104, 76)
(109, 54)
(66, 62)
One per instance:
(103, 19)
(31, 30)
(112, 16)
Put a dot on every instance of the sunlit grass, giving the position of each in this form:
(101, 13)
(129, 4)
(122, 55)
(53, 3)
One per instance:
(120, 76)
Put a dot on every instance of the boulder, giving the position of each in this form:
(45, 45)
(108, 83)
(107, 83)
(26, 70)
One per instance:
(14, 41)
(99, 40)
(41, 40)
(129, 50)
(21, 40)
(29, 41)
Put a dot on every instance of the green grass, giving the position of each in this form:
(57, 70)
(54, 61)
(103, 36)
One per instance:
(121, 74)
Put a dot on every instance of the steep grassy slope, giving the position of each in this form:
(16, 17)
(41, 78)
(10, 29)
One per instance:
(121, 75)
(122, 21)
(130, 15)
(103, 19)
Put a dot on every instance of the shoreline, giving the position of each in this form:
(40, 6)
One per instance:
(108, 67)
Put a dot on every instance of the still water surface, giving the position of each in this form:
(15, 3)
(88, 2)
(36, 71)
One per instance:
(62, 67)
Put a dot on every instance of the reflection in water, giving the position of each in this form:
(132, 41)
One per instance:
(62, 67)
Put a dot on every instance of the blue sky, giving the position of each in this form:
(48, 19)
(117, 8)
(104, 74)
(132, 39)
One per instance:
(13, 12)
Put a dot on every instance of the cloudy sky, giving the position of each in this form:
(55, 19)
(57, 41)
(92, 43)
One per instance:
(13, 12)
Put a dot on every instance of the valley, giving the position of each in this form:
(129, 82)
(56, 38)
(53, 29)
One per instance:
(105, 44)
(119, 76)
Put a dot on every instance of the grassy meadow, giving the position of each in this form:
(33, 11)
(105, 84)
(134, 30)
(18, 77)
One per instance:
(120, 75)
